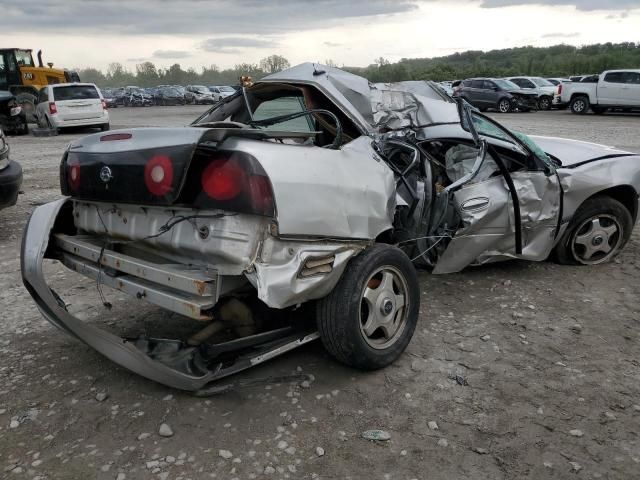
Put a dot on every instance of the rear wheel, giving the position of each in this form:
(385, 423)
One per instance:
(579, 105)
(369, 317)
(504, 105)
(598, 231)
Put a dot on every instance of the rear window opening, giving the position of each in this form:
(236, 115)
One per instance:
(75, 92)
(275, 99)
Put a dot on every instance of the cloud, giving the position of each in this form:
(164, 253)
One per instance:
(561, 35)
(193, 17)
(171, 54)
(332, 44)
(584, 5)
(235, 44)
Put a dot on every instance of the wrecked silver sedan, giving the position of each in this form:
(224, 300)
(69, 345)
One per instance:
(298, 208)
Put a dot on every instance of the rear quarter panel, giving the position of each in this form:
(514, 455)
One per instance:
(347, 193)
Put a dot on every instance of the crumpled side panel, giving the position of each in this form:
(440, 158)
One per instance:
(277, 272)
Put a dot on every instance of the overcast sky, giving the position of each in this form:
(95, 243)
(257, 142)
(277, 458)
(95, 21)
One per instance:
(82, 33)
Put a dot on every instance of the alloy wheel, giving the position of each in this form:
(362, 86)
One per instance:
(384, 307)
(597, 239)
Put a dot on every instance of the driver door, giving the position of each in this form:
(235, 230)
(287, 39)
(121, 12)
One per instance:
(514, 213)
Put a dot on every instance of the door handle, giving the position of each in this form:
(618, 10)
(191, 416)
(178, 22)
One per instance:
(475, 204)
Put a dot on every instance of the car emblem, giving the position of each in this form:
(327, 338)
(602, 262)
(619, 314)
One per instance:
(105, 174)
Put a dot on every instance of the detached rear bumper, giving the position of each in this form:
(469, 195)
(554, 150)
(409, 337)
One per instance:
(172, 362)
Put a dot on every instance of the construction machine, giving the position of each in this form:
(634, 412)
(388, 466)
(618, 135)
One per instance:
(20, 75)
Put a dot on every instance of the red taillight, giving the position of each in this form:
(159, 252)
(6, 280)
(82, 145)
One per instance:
(73, 174)
(52, 108)
(104, 104)
(236, 182)
(158, 175)
(223, 179)
(559, 89)
(261, 194)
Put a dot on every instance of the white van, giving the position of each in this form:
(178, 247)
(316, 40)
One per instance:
(72, 105)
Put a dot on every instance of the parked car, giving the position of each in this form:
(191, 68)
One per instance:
(71, 105)
(118, 95)
(446, 86)
(221, 91)
(10, 175)
(137, 97)
(198, 95)
(619, 89)
(544, 88)
(12, 117)
(109, 97)
(557, 81)
(169, 96)
(499, 94)
(269, 228)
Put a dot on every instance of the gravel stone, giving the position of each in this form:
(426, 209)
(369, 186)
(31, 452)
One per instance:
(165, 430)
(226, 454)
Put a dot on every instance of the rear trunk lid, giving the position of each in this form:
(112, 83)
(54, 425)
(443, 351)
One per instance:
(77, 102)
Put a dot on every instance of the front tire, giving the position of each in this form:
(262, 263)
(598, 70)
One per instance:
(599, 230)
(369, 317)
(504, 105)
(544, 103)
(579, 105)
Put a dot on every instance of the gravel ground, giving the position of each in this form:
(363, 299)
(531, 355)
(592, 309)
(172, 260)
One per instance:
(550, 354)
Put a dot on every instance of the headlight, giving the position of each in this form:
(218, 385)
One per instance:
(16, 111)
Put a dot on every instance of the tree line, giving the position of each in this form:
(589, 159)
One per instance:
(555, 61)
(146, 74)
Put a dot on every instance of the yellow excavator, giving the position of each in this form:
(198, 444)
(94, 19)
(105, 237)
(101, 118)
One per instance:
(20, 75)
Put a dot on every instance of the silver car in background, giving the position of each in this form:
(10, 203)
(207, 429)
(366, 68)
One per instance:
(299, 207)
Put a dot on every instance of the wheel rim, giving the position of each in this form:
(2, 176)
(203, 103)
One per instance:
(578, 105)
(503, 106)
(597, 239)
(544, 103)
(384, 307)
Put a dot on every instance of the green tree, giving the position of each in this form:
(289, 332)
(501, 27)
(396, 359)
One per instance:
(274, 63)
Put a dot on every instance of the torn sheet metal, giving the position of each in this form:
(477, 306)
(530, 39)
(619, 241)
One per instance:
(280, 277)
(377, 107)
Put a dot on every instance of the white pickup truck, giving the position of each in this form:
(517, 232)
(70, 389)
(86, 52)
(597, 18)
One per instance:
(619, 89)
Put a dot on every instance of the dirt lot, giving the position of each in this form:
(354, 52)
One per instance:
(551, 355)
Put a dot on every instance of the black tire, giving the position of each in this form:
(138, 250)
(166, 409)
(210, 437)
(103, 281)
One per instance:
(544, 103)
(579, 105)
(598, 110)
(339, 314)
(105, 127)
(28, 103)
(504, 105)
(608, 212)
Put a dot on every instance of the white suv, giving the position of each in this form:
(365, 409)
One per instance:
(72, 105)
